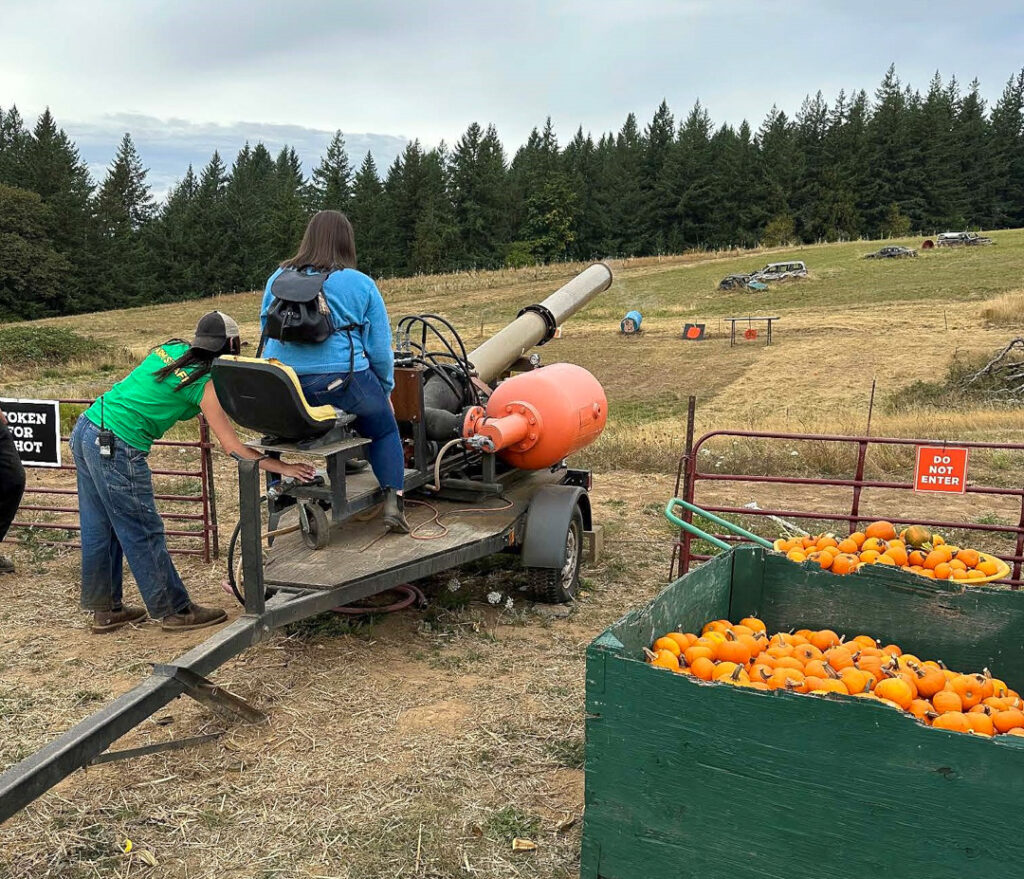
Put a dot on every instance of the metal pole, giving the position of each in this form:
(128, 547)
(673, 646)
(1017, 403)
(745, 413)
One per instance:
(871, 406)
(682, 545)
(534, 324)
(251, 537)
(210, 489)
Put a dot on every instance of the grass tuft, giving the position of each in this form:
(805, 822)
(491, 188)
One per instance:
(24, 345)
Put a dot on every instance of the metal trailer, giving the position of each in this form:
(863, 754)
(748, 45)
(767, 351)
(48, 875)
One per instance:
(542, 515)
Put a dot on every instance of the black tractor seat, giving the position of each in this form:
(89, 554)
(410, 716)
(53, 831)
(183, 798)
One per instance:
(266, 396)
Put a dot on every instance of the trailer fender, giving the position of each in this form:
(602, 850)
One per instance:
(547, 521)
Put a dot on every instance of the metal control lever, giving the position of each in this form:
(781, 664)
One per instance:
(286, 483)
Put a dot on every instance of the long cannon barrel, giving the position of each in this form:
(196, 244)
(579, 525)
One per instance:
(537, 323)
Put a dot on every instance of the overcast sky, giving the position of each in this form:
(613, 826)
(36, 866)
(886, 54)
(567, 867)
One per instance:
(189, 76)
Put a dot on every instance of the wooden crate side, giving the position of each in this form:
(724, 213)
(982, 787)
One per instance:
(685, 605)
(696, 780)
(967, 628)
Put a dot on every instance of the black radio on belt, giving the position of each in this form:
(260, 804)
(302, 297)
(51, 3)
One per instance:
(106, 443)
(106, 437)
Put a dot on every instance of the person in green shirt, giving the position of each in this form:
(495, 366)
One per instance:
(110, 444)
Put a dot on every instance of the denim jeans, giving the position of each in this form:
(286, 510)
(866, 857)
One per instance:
(118, 516)
(12, 480)
(365, 398)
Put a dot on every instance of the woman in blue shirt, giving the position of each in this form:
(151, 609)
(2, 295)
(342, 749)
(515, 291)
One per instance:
(351, 370)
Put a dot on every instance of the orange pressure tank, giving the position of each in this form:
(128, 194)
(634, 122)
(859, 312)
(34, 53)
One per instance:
(535, 419)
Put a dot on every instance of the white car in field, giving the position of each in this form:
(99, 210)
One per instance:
(781, 271)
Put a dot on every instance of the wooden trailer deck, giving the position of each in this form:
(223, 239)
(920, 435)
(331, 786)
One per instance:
(360, 548)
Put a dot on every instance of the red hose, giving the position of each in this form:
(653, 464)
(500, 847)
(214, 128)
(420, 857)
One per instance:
(410, 595)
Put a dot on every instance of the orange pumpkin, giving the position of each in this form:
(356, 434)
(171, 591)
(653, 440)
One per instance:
(968, 688)
(954, 721)
(895, 690)
(946, 701)
(667, 643)
(1006, 720)
(882, 530)
(930, 680)
(824, 639)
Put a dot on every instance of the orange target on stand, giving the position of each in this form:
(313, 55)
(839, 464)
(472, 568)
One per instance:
(693, 332)
(750, 334)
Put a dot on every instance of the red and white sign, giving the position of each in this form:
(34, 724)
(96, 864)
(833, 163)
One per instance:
(941, 468)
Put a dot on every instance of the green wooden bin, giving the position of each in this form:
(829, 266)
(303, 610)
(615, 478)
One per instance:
(688, 779)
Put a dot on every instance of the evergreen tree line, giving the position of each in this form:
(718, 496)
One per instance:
(855, 167)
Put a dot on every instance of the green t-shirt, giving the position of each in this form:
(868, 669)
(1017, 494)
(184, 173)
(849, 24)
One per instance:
(140, 409)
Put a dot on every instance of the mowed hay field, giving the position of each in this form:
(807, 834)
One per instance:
(420, 744)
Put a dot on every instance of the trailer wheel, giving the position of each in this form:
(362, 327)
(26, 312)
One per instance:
(558, 586)
(315, 527)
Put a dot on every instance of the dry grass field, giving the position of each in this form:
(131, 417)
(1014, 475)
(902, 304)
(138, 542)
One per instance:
(419, 744)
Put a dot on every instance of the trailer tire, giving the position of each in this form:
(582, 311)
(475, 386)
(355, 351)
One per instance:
(560, 585)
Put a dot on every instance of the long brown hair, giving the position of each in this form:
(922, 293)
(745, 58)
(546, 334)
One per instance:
(328, 243)
(194, 363)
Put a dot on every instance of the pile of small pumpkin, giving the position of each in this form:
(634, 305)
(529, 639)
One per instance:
(914, 549)
(821, 662)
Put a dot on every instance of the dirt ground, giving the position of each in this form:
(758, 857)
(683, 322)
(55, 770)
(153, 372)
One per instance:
(417, 744)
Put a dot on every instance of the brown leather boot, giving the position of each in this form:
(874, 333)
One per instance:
(109, 620)
(195, 617)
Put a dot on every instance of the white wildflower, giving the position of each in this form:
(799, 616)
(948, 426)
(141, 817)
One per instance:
(493, 597)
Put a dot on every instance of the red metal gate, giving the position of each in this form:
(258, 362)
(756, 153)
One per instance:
(689, 474)
(183, 539)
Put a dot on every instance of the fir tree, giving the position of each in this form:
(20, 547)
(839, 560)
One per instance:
(175, 243)
(14, 141)
(330, 186)
(436, 239)
(53, 169)
(122, 268)
(479, 196)
(659, 201)
(1007, 151)
(581, 169)
(209, 212)
(289, 209)
(371, 219)
(248, 204)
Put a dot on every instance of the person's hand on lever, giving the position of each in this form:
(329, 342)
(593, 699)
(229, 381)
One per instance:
(301, 472)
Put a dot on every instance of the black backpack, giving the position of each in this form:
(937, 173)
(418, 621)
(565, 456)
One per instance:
(299, 313)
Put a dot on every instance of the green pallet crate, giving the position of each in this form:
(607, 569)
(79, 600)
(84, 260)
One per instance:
(687, 779)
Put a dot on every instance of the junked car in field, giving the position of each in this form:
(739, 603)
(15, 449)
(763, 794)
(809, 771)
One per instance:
(781, 271)
(893, 251)
(961, 239)
(741, 282)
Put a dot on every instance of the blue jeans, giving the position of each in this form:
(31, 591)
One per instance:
(119, 518)
(365, 398)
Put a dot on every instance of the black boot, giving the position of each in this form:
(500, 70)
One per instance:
(394, 512)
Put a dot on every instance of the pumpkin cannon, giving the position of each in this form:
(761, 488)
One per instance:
(474, 436)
